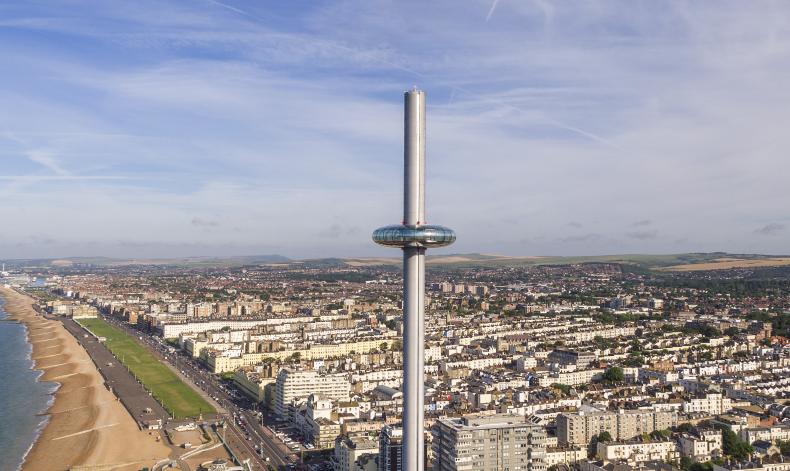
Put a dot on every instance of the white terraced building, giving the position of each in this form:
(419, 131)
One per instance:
(299, 384)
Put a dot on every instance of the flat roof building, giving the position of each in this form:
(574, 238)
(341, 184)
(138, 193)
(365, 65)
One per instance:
(502, 442)
(295, 384)
(391, 448)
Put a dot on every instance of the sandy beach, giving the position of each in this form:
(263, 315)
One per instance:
(87, 425)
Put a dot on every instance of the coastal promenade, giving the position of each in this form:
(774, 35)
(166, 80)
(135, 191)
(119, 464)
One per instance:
(86, 425)
(131, 393)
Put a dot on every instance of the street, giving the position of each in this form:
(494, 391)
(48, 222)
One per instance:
(248, 438)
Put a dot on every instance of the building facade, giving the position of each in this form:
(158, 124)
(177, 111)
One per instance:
(391, 448)
(580, 428)
(500, 442)
(296, 384)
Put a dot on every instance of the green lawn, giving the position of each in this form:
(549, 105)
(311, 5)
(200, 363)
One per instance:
(178, 398)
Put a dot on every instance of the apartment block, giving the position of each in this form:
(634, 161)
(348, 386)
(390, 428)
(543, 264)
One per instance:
(580, 428)
(297, 384)
(492, 443)
(391, 448)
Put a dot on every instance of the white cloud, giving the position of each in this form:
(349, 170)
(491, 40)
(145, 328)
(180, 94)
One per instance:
(544, 114)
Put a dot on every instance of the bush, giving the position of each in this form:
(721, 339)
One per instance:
(614, 375)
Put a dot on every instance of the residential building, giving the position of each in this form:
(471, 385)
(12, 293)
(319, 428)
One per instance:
(354, 453)
(501, 442)
(564, 455)
(711, 404)
(391, 448)
(701, 445)
(294, 384)
(579, 428)
(638, 451)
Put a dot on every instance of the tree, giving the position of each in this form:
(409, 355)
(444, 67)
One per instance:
(614, 375)
(296, 356)
(397, 345)
(732, 331)
(604, 437)
(685, 427)
(383, 347)
(562, 387)
(634, 361)
(784, 447)
(707, 466)
(601, 342)
(733, 446)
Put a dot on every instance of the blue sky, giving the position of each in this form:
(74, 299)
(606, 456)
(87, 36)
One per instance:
(175, 128)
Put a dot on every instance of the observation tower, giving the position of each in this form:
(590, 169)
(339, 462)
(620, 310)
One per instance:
(413, 236)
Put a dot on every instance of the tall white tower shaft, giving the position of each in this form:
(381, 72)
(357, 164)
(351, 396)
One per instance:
(414, 236)
(414, 284)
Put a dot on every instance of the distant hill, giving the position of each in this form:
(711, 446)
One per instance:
(668, 262)
(176, 262)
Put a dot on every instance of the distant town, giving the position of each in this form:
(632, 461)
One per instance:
(585, 366)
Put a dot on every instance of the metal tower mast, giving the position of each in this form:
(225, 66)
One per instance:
(414, 236)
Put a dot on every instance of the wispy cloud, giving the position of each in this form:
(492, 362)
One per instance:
(199, 222)
(643, 235)
(491, 10)
(47, 160)
(770, 229)
(338, 230)
(589, 237)
(54, 178)
(228, 7)
(545, 113)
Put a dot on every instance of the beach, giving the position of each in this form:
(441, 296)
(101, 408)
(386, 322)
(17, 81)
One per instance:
(86, 424)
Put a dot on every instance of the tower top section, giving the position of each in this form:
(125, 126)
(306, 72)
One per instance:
(414, 230)
(414, 158)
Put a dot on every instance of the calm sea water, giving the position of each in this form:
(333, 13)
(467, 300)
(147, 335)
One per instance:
(22, 397)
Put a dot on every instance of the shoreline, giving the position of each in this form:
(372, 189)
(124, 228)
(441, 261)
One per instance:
(83, 423)
(43, 414)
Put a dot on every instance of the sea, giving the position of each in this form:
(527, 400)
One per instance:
(22, 397)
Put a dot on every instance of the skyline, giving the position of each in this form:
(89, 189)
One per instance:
(226, 128)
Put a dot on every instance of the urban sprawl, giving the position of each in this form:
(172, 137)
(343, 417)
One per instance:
(587, 367)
